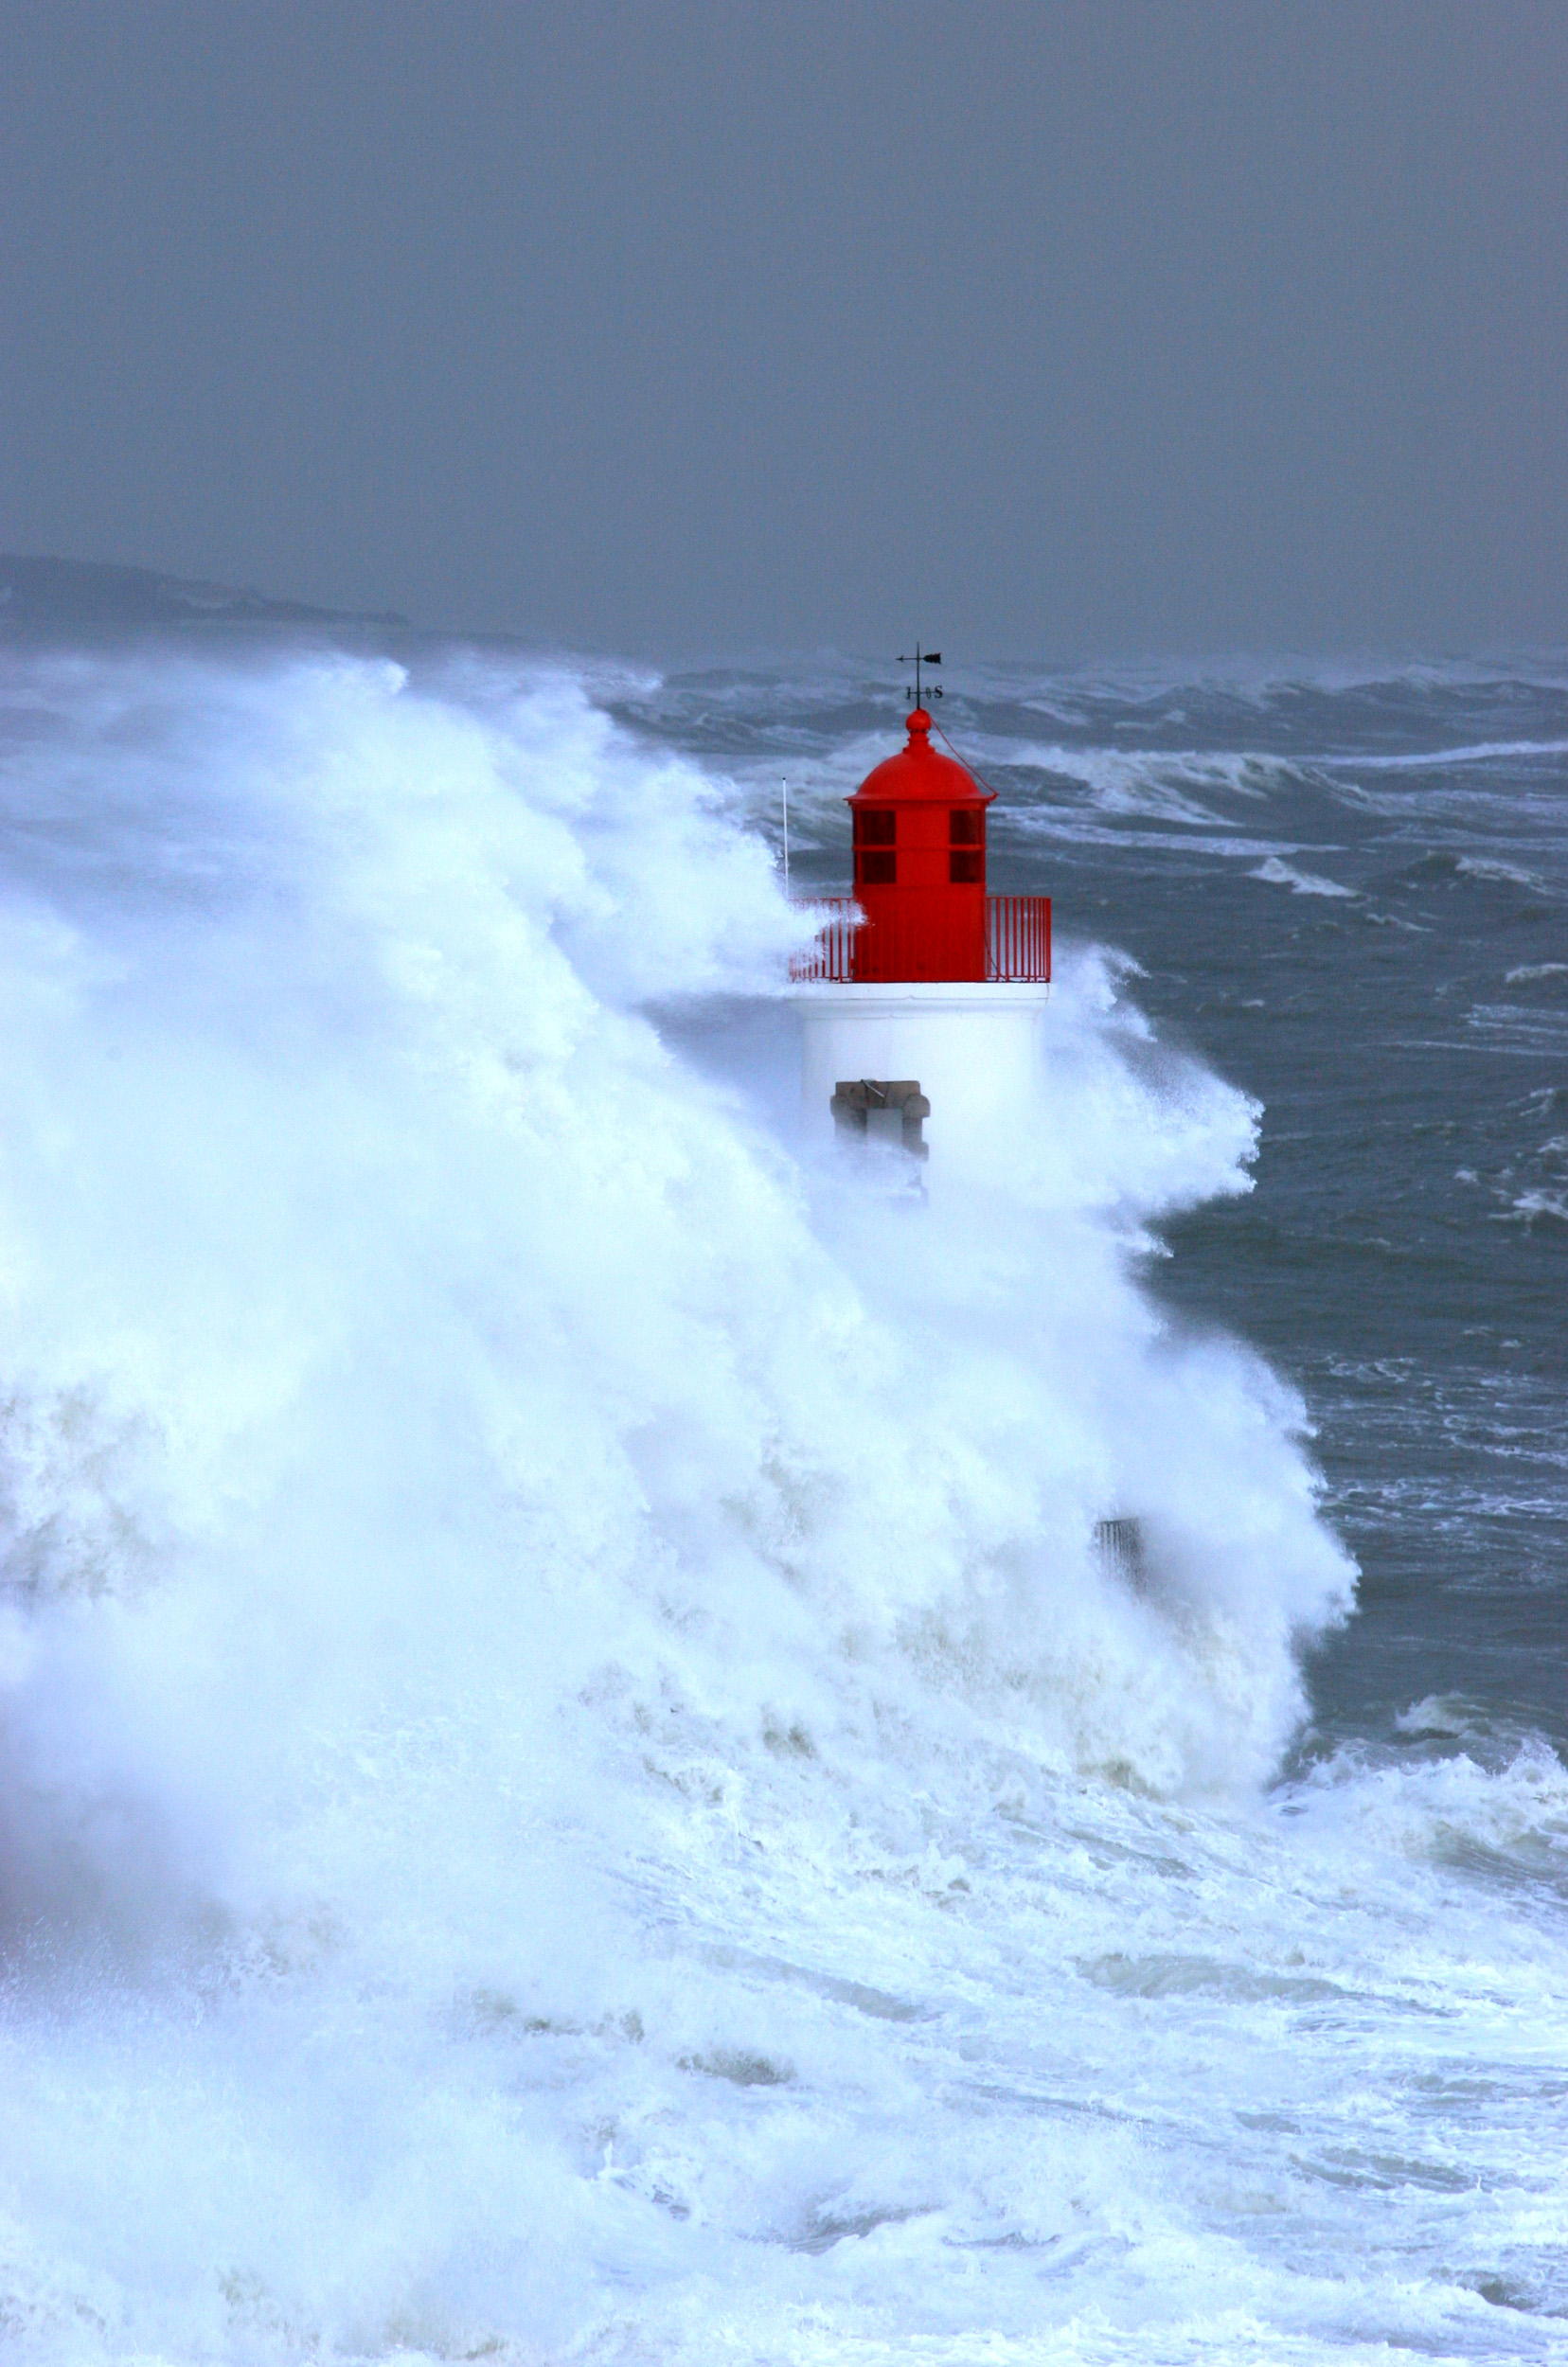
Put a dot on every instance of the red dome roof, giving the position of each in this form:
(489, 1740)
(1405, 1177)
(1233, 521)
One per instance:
(918, 775)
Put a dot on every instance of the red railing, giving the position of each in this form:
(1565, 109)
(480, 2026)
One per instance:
(1018, 938)
(832, 956)
(1018, 941)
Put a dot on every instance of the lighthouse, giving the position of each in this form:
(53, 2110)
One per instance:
(922, 1000)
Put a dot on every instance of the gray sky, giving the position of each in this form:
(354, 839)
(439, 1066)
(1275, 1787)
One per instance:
(675, 330)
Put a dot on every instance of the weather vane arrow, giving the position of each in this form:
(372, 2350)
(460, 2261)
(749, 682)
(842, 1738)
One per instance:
(923, 657)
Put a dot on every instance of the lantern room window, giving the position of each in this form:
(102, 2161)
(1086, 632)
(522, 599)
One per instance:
(966, 839)
(876, 865)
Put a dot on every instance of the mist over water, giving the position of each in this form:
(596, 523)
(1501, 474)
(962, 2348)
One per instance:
(572, 1785)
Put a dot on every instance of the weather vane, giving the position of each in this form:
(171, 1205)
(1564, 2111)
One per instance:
(926, 657)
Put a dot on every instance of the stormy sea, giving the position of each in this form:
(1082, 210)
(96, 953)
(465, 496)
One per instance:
(575, 1785)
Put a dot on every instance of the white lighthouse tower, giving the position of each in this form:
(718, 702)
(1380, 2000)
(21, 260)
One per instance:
(921, 1002)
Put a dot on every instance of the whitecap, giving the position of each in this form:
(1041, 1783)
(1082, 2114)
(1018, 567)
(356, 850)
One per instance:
(1438, 1714)
(1280, 874)
(1493, 868)
(1481, 752)
(1531, 1206)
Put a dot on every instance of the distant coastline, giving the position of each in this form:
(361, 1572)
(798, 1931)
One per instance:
(40, 593)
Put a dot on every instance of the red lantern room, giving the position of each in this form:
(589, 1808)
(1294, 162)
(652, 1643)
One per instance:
(919, 821)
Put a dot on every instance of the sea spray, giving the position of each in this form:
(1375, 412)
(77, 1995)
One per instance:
(570, 1772)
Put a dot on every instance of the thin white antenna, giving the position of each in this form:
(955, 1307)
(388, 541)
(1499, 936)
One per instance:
(785, 787)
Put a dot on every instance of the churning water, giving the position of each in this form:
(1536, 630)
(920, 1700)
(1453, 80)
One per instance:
(572, 1785)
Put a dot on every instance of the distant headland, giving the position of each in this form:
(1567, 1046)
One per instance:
(37, 594)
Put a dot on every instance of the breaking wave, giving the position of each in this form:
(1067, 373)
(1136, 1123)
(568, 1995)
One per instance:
(535, 1608)
(1281, 874)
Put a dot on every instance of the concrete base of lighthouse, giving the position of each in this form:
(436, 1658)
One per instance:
(975, 1049)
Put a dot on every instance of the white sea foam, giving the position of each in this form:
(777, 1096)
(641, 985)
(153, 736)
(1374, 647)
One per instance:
(1493, 868)
(1528, 1207)
(1175, 785)
(1465, 758)
(1279, 873)
(570, 1782)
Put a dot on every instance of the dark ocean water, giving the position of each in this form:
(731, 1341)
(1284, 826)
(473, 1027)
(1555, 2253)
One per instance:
(1349, 894)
